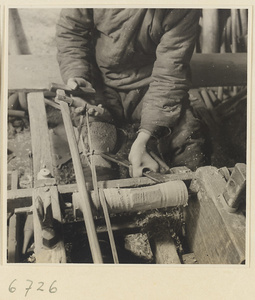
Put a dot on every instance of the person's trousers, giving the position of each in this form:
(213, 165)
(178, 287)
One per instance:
(187, 145)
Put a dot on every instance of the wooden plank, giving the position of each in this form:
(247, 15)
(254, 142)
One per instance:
(235, 223)
(42, 160)
(164, 249)
(195, 236)
(214, 235)
(14, 239)
(31, 72)
(40, 139)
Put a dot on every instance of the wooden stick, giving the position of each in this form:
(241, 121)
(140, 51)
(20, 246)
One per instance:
(84, 203)
(162, 164)
(100, 197)
(52, 103)
(16, 113)
(108, 226)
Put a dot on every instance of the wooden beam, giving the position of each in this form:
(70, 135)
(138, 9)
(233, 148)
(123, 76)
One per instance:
(219, 69)
(32, 73)
(164, 249)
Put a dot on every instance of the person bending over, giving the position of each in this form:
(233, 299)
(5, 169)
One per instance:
(138, 61)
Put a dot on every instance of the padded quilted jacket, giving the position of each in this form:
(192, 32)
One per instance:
(133, 48)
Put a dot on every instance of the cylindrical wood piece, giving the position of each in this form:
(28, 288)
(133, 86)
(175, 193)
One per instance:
(23, 100)
(206, 99)
(171, 193)
(16, 113)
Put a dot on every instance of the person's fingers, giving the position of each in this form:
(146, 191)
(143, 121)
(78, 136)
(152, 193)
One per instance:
(72, 83)
(153, 165)
(83, 83)
(91, 111)
(130, 170)
(76, 82)
(147, 163)
(135, 171)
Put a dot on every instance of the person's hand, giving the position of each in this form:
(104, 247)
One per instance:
(140, 158)
(100, 114)
(76, 82)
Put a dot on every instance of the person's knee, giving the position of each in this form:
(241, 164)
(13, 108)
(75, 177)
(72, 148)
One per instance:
(188, 144)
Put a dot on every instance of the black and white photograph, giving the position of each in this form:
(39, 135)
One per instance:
(127, 136)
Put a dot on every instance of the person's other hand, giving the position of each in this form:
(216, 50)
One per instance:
(77, 82)
(140, 158)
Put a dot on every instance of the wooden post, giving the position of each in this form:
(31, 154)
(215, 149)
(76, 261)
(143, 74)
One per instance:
(14, 239)
(44, 187)
(210, 31)
(42, 253)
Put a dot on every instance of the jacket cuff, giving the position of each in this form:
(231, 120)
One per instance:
(156, 132)
(74, 74)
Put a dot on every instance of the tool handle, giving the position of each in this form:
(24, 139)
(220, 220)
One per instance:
(80, 91)
(77, 101)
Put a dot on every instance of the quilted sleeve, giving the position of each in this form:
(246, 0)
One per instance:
(171, 76)
(74, 43)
